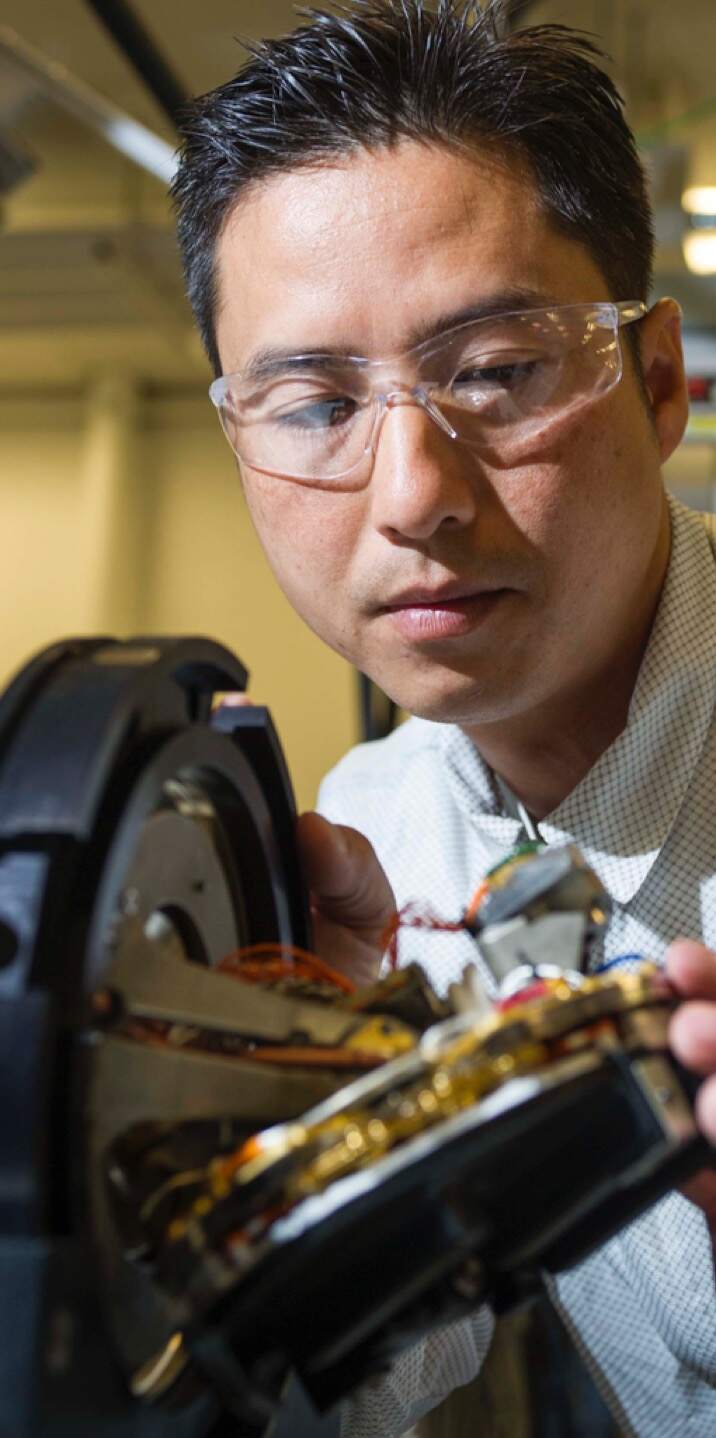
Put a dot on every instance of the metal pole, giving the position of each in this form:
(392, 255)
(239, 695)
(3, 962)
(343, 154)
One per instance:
(140, 49)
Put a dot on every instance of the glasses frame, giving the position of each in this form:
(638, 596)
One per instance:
(610, 314)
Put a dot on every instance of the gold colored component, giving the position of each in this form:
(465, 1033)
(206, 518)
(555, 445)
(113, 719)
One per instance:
(428, 1101)
(504, 1064)
(386, 1037)
(351, 1142)
(293, 1136)
(158, 1374)
(354, 1140)
(459, 1067)
(647, 1027)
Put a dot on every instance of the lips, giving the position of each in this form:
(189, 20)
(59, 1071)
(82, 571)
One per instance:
(445, 613)
(443, 594)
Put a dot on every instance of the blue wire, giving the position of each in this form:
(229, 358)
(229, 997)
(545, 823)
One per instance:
(614, 963)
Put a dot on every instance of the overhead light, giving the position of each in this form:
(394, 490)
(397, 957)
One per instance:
(134, 140)
(699, 247)
(138, 143)
(699, 200)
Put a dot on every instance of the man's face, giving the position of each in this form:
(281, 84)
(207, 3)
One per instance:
(538, 566)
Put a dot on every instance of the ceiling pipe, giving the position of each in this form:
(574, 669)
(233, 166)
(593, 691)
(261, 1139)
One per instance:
(138, 47)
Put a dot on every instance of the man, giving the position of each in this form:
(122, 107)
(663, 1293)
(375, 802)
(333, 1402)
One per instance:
(419, 254)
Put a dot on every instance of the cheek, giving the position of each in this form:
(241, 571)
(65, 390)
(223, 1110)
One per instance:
(575, 502)
(310, 538)
(537, 509)
(574, 513)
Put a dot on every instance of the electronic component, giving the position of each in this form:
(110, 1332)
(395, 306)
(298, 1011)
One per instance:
(539, 906)
(231, 1183)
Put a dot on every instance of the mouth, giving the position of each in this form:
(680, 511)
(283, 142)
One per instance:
(444, 613)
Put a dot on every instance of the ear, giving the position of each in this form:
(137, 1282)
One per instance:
(662, 360)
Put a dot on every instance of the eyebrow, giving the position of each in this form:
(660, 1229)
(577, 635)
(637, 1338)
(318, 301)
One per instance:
(265, 363)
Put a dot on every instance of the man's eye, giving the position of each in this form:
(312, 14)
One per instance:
(503, 376)
(326, 413)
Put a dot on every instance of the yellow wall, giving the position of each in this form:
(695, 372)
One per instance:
(123, 513)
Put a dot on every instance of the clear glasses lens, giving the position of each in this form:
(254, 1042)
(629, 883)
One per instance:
(515, 379)
(302, 423)
(502, 384)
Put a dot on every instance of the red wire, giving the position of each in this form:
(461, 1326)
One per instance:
(414, 916)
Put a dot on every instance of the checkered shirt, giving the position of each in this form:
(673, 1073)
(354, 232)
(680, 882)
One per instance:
(642, 1309)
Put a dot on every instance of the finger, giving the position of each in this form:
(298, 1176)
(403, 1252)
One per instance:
(346, 951)
(232, 701)
(691, 967)
(692, 1036)
(347, 881)
(706, 1110)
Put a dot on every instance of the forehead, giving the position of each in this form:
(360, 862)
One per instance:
(362, 253)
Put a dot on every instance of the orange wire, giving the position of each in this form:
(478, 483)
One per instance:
(264, 969)
(250, 1149)
(315, 966)
(476, 901)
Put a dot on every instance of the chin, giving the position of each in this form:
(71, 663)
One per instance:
(465, 702)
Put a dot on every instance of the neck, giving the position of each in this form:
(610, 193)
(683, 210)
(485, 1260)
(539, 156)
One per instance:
(544, 753)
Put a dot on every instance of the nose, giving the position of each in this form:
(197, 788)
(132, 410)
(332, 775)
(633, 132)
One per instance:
(422, 481)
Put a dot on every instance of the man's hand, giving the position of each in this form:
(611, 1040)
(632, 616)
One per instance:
(352, 902)
(692, 970)
(351, 899)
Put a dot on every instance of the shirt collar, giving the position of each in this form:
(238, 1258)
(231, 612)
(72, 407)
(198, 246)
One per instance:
(621, 813)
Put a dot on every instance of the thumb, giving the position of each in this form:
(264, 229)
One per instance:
(691, 968)
(348, 885)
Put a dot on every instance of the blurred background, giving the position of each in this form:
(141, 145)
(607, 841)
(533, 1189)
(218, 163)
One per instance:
(120, 506)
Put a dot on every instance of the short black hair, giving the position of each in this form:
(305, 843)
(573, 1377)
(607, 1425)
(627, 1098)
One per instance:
(374, 72)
